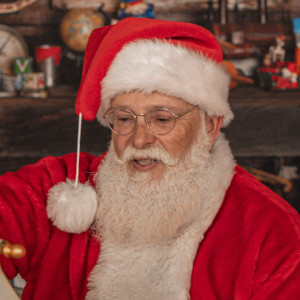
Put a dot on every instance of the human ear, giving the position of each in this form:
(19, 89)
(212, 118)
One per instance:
(213, 126)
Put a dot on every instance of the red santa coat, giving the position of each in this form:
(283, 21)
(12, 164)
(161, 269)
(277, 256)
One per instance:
(251, 251)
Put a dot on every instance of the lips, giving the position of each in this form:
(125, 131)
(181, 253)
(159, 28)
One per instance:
(144, 164)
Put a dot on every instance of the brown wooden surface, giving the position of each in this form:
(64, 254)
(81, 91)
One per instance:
(33, 128)
(266, 124)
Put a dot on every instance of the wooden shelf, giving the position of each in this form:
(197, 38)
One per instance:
(266, 124)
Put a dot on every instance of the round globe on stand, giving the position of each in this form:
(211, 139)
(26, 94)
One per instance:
(77, 25)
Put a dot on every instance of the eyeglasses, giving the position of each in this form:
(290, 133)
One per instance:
(159, 121)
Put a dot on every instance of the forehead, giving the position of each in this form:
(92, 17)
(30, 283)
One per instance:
(140, 101)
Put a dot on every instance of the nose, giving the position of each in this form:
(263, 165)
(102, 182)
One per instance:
(142, 137)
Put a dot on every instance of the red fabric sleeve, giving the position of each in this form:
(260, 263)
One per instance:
(276, 236)
(252, 249)
(273, 237)
(277, 273)
(23, 217)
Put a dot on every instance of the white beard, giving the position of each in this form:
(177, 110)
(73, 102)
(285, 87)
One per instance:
(138, 210)
(150, 231)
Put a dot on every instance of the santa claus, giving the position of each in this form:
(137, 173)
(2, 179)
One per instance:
(165, 213)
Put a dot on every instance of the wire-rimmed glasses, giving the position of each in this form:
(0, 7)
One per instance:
(159, 121)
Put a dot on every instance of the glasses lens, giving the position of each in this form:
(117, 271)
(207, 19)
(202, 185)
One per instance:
(160, 121)
(121, 121)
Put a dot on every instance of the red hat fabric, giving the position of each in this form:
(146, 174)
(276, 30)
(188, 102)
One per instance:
(175, 58)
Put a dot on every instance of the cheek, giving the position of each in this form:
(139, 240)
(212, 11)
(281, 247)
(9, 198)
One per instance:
(120, 144)
(180, 141)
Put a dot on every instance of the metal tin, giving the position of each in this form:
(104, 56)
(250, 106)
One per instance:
(34, 81)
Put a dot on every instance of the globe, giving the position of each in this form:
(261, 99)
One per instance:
(76, 26)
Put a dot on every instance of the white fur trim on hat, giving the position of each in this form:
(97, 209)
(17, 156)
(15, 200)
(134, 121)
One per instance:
(72, 208)
(158, 66)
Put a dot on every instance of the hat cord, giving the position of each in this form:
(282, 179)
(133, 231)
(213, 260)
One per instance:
(78, 149)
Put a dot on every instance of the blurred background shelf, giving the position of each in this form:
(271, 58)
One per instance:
(265, 125)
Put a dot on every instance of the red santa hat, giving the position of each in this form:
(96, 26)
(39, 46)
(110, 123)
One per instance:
(174, 58)
(177, 59)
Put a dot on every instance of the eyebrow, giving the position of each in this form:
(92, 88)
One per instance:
(172, 108)
(121, 106)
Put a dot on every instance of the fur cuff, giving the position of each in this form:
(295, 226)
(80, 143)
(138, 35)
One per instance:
(72, 209)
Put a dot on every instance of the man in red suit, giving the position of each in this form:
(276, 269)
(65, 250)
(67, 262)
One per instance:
(165, 213)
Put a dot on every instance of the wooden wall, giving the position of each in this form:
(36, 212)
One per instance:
(39, 22)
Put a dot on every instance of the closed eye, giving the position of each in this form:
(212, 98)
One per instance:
(125, 120)
(162, 120)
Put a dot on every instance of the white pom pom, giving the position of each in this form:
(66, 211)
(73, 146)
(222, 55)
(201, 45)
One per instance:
(72, 209)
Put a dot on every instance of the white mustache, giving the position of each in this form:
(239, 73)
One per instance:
(154, 153)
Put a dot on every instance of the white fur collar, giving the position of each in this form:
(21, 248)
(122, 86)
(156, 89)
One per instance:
(161, 271)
